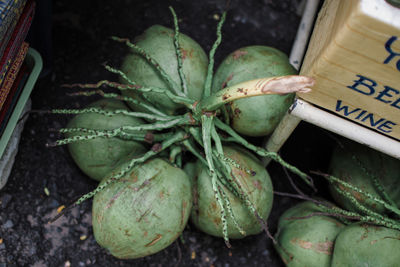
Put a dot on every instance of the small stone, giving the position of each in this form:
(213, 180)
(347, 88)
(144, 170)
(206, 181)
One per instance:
(5, 200)
(54, 204)
(8, 224)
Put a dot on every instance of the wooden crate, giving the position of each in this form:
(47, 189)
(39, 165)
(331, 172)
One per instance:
(354, 54)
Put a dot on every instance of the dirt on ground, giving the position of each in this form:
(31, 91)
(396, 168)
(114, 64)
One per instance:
(43, 178)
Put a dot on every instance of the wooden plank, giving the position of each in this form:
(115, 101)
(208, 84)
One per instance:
(354, 54)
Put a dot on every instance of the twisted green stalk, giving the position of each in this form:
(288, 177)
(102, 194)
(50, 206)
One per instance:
(146, 106)
(207, 86)
(262, 152)
(93, 134)
(178, 52)
(377, 200)
(109, 113)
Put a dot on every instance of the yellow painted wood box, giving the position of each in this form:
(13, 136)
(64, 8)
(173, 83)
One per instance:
(354, 55)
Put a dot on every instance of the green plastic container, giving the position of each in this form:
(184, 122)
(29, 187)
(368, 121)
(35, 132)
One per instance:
(35, 64)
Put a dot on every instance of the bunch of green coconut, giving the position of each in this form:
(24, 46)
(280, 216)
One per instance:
(172, 145)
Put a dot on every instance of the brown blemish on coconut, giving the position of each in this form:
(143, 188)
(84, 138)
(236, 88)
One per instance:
(257, 184)
(99, 219)
(237, 112)
(134, 177)
(324, 247)
(320, 247)
(161, 195)
(154, 241)
(127, 232)
(186, 54)
(217, 221)
(144, 214)
(238, 54)
(183, 212)
(225, 83)
(115, 197)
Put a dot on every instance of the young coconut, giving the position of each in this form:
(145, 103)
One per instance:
(99, 156)
(251, 177)
(144, 211)
(369, 170)
(305, 238)
(366, 245)
(255, 116)
(157, 42)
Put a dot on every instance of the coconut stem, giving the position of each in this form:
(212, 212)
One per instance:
(111, 113)
(272, 85)
(207, 124)
(146, 106)
(377, 200)
(93, 134)
(230, 211)
(178, 52)
(263, 152)
(207, 85)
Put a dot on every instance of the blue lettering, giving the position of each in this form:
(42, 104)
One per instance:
(392, 54)
(386, 92)
(361, 82)
(345, 109)
(361, 114)
(388, 125)
(396, 103)
(370, 116)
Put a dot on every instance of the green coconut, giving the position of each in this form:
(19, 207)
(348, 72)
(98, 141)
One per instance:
(206, 213)
(158, 42)
(359, 165)
(144, 211)
(255, 116)
(97, 157)
(304, 239)
(366, 245)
